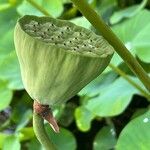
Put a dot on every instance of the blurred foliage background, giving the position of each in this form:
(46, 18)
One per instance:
(112, 112)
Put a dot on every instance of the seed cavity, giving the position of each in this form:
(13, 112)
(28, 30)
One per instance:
(74, 49)
(68, 28)
(81, 34)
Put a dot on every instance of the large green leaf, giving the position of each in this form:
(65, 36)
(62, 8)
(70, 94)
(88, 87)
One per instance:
(10, 71)
(136, 135)
(7, 42)
(55, 8)
(127, 12)
(3, 136)
(81, 21)
(11, 143)
(64, 140)
(114, 99)
(5, 95)
(105, 7)
(105, 139)
(135, 35)
(96, 86)
(7, 20)
(9, 67)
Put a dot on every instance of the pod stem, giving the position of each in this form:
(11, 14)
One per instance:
(119, 47)
(129, 80)
(40, 113)
(38, 7)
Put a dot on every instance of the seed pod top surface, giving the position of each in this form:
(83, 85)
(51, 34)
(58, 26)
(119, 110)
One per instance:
(57, 58)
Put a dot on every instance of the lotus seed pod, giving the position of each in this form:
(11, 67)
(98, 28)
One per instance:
(58, 58)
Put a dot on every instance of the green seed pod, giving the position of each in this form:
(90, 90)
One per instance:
(58, 58)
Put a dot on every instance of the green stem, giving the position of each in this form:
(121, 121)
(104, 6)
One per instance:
(134, 84)
(38, 126)
(107, 33)
(37, 6)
